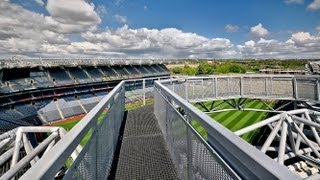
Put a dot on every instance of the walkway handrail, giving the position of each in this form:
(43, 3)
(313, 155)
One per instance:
(50, 163)
(278, 87)
(246, 160)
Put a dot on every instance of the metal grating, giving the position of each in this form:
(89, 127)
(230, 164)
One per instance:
(143, 153)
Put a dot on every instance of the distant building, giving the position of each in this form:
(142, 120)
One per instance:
(281, 71)
(313, 68)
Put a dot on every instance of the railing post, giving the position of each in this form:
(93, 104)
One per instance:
(173, 87)
(187, 87)
(228, 84)
(202, 89)
(250, 91)
(144, 91)
(318, 90)
(294, 86)
(241, 86)
(193, 90)
(189, 148)
(213, 86)
(271, 80)
(216, 87)
(266, 86)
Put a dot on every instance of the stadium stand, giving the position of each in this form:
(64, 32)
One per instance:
(79, 75)
(95, 74)
(312, 68)
(59, 76)
(42, 91)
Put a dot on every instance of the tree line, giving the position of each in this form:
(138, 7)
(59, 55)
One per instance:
(206, 68)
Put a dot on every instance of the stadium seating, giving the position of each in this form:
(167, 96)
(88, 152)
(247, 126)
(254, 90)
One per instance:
(60, 76)
(53, 93)
(132, 71)
(110, 72)
(95, 74)
(79, 75)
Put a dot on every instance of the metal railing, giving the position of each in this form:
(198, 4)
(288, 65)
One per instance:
(284, 87)
(226, 156)
(141, 89)
(223, 155)
(101, 126)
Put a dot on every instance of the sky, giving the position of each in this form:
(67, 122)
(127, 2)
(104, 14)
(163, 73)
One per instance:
(218, 29)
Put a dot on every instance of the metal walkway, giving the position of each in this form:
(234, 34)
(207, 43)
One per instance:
(143, 153)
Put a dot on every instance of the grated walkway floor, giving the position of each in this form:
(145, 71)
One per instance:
(143, 153)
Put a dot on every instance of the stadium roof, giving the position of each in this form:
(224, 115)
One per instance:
(73, 62)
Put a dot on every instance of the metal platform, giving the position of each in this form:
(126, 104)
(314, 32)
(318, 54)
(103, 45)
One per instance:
(143, 153)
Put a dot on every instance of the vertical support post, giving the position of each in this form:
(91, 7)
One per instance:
(271, 80)
(144, 91)
(241, 86)
(193, 90)
(216, 86)
(318, 90)
(202, 89)
(294, 86)
(228, 84)
(173, 87)
(187, 87)
(213, 85)
(266, 86)
(189, 149)
(250, 91)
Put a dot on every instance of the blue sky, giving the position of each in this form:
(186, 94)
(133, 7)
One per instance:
(209, 17)
(207, 28)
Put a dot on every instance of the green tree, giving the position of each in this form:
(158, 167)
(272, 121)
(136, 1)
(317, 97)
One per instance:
(205, 68)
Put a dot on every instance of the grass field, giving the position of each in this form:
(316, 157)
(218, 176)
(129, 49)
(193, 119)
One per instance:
(238, 119)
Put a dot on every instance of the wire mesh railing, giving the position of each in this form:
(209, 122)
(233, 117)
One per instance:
(284, 87)
(223, 156)
(191, 154)
(101, 129)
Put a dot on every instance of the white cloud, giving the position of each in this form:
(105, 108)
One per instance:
(26, 33)
(231, 28)
(121, 19)
(294, 1)
(73, 16)
(318, 28)
(305, 39)
(301, 44)
(258, 31)
(315, 5)
(165, 42)
(101, 10)
(249, 43)
(40, 2)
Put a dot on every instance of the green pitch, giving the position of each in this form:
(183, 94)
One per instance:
(237, 119)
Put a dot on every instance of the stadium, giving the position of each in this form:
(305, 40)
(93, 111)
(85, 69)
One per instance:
(130, 119)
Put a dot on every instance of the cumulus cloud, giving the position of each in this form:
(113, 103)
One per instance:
(258, 31)
(73, 16)
(231, 28)
(305, 39)
(121, 19)
(164, 42)
(315, 5)
(27, 33)
(300, 44)
(40, 2)
(294, 1)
